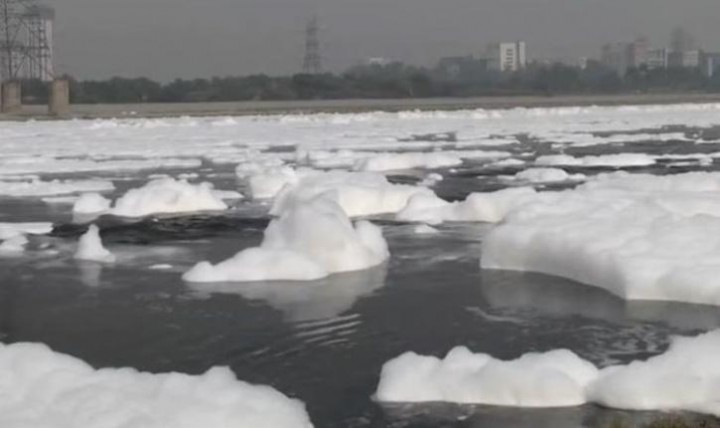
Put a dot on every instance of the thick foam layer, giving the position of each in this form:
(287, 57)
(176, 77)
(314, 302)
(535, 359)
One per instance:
(42, 388)
(554, 379)
(478, 207)
(168, 195)
(357, 193)
(685, 378)
(310, 240)
(638, 236)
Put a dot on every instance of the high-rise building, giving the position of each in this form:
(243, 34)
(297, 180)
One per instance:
(507, 56)
(711, 63)
(637, 52)
(658, 58)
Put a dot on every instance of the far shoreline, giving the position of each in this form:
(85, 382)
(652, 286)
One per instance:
(254, 108)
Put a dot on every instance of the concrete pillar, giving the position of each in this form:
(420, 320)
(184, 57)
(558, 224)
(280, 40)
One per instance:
(59, 99)
(11, 97)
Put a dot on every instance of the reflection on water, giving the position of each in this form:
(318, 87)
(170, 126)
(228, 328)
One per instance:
(559, 297)
(305, 301)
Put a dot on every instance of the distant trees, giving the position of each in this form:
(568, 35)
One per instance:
(452, 77)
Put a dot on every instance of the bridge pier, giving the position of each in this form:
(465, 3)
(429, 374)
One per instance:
(11, 94)
(59, 98)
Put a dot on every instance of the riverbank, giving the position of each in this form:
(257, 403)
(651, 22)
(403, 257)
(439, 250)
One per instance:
(245, 108)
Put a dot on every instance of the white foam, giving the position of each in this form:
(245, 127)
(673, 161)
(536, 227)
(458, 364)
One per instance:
(90, 247)
(622, 160)
(168, 196)
(685, 378)
(37, 187)
(310, 240)
(42, 388)
(15, 244)
(48, 165)
(477, 207)
(399, 161)
(91, 203)
(424, 229)
(553, 379)
(547, 175)
(357, 193)
(10, 230)
(637, 236)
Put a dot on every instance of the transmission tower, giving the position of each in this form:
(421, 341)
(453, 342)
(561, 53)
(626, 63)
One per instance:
(312, 64)
(26, 50)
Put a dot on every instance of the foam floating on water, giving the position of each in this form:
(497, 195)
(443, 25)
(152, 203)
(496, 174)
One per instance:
(685, 378)
(10, 230)
(90, 247)
(637, 236)
(38, 188)
(168, 195)
(357, 193)
(553, 379)
(622, 160)
(547, 175)
(477, 207)
(310, 240)
(91, 203)
(42, 388)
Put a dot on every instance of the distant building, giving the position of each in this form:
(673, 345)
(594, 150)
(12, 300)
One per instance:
(686, 59)
(615, 56)
(711, 63)
(637, 52)
(507, 56)
(658, 58)
(691, 59)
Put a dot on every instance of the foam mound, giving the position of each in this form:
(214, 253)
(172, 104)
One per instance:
(684, 378)
(36, 187)
(10, 230)
(547, 175)
(90, 247)
(42, 388)
(357, 193)
(91, 203)
(310, 240)
(168, 195)
(637, 236)
(400, 161)
(15, 244)
(478, 207)
(621, 160)
(554, 379)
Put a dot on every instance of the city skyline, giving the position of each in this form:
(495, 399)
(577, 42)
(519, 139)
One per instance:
(164, 39)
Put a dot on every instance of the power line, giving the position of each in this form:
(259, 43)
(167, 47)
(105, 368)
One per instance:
(312, 63)
(26, 41)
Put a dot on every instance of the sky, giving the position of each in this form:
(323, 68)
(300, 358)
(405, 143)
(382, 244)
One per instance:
(166, 39)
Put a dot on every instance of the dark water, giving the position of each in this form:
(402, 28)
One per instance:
(324, 342)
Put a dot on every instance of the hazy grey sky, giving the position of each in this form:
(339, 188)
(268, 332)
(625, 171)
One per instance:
(164, 39)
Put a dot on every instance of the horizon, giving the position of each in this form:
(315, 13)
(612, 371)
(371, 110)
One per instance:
(164, 39)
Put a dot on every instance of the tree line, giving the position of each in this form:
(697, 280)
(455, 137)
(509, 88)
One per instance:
(457, 77)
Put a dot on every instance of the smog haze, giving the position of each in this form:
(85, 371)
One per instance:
(164, 39)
